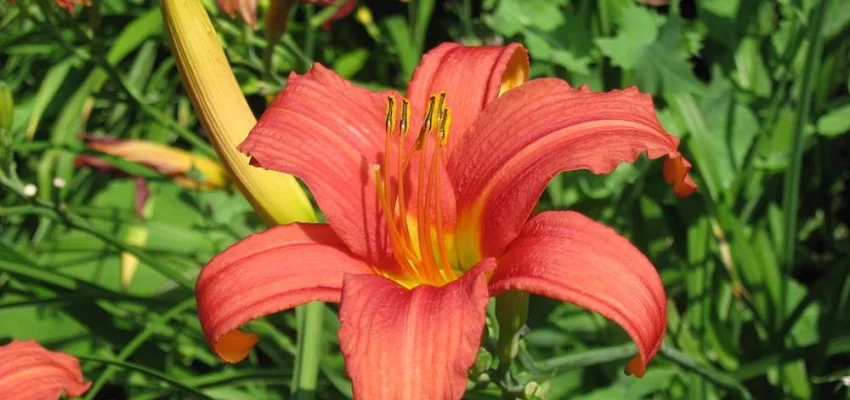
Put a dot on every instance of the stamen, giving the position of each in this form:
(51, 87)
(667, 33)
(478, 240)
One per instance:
(427, 124)
(401, 168)
(445, 126)
(390, 127)
(390, 113)
(444, 266)
(445, 123)
(405, 118)
(417, 258)
(401, 254)
(425, 249)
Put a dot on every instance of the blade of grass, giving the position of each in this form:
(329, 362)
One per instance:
(711, 374)
(791, 187)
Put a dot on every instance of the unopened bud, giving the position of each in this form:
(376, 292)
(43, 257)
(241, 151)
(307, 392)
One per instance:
(483, 361)
(59, 183)
(536, 390)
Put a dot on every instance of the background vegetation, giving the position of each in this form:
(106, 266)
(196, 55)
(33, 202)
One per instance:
(755, 263)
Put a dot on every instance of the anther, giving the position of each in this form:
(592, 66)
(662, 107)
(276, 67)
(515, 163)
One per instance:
(390, 122)
(427, 124)
(405, 117)
(442, 104)
(445, 126)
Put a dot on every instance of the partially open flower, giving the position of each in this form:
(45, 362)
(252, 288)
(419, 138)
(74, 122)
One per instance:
(186, 169)
(31, 372)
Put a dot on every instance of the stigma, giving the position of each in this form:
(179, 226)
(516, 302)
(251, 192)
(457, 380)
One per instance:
(417, 237)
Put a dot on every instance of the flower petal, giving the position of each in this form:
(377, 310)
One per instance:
(343, 11)
(31, 372)
(329, 133)
(247, 10)
(567, 256)
(280, 268)
(471, 76)
(411, 344)
(532, 133)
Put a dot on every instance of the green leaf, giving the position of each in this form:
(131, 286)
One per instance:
(398, 32)
(511, 16)
(350, 63)
(638, 30)
(664, 65)
(836, 122)
(53, 80)
(750, 71)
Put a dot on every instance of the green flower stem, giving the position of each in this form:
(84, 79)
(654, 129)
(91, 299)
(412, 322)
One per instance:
(557, 365)
(511, 312)
(310, 344)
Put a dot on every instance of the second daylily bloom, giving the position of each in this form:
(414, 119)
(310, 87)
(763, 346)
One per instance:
(429, 200)
(31, 372)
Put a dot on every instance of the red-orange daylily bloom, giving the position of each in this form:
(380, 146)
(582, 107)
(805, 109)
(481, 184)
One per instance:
(429, 201)
(31, 372)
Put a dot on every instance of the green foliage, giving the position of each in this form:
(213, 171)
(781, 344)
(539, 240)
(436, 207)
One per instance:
(756, 264)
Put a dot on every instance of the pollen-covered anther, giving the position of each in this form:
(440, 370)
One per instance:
(390, 115)
(405, 118)
(427, 124)
(445, 126)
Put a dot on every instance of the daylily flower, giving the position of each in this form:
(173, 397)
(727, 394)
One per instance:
(428, 199)
(31, 372)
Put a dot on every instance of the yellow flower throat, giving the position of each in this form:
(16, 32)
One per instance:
(412, 237)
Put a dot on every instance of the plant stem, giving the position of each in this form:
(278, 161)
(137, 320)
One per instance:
(714, 376)
(306, 375)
